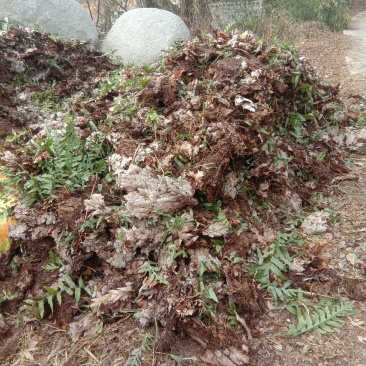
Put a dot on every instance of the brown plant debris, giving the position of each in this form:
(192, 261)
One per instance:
(209, 153)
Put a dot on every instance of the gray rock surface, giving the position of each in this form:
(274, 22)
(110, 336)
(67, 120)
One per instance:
(64, 17)
(138, 36)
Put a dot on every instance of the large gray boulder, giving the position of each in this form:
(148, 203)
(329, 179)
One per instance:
(64, 17)
(138, 36)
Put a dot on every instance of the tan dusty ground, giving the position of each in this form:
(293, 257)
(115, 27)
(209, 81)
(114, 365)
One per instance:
(327, 52)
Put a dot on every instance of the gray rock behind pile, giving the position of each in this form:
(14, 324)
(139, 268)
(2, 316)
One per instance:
(64, 17)
(138, 36)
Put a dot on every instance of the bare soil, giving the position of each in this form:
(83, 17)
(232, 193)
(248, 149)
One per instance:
(327, 52)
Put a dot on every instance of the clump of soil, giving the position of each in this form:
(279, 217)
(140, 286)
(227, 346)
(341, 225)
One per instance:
(210, 152)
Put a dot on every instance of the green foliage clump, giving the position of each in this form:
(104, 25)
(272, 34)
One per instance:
(35, 308)
(69, 162)
(277, 260)
(332, 13)
(322, 316)
(136, 354)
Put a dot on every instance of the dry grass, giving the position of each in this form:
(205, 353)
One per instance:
(279, 25)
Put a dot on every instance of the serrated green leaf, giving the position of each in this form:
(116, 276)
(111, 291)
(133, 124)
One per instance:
(318, 330)
(278, 264)
(327, 311)
(50, 302)
(273, 292)
(300, 318)
(337, 323)
(277, 272)
(324, 320)
(260, 256)
(291, 309)
(280, 294)
(324, 327)
(322, 315)
(308, 320)
(50, 290)
(284, 256)
(87, 290)
(77, 294)
(69, 281)
(317, 319)
(61, 286)
(59, 298)
(212, 294)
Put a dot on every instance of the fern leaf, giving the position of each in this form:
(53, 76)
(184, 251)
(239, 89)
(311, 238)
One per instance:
(324, 320)
(50, 302)
(276, 260)
(292, 310)
(283, 255)
(69, 281)
(278, 263)
(260, 256)
(59, 298)
(221, 217)
(277, 272)
(274, 294)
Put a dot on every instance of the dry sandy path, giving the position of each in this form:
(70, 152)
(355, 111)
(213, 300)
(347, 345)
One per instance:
(356, 50)
(338, 57)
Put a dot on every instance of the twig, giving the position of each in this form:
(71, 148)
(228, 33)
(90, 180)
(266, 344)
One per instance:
(244, 324)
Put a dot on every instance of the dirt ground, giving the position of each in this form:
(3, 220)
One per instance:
(341, 248)
(326, 51)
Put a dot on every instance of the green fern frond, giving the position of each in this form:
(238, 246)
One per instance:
(324, 320)
(284, 293)
(54, 262)
(276, 260)
(222, 218)
(136, 354)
